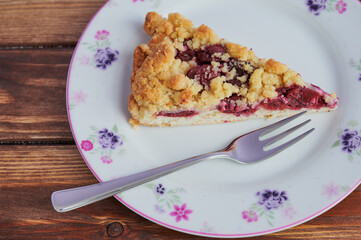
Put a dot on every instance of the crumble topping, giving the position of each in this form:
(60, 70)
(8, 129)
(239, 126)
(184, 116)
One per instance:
(192, 69)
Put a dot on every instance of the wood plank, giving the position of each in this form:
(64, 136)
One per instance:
(32, 94)
(37, 165)
(44, 22)
(29, 174)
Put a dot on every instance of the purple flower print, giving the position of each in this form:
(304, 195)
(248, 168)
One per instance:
(341, 6)
(106, 159)
(350, 140)
(316, 6)
(160, 189)
(137, 1)
(86, 145)
(181, 212)
(108, 139)
(271, 199)
(159, 209)
(102, 35)
(359, 78)
(105, 57)
(250, 216)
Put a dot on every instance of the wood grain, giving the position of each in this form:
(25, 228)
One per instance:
(44, 22)
(29, 174)
(32, 94)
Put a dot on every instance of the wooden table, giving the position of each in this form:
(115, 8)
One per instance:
(38, 154)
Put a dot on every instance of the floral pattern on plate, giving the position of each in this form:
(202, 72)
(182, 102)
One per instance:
(104, 142)
(317, 6)
(207, 228)
(77, 97)
(181, 212)
(156, 3)
(268, 205)
(356, 66)
(333, 190)
(165, 198)
(349, 139)
(112, 3)
(168, 200)
(103, 55)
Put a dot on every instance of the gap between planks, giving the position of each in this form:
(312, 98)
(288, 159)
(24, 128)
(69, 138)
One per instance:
(8, 143)
(37, 47)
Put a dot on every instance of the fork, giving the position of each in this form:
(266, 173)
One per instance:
(248, 148)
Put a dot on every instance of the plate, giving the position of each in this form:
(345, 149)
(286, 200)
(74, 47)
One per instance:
(220, 198)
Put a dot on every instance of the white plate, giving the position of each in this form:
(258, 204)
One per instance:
(221, 198)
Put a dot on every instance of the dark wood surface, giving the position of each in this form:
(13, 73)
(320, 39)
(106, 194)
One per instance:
(37, 151)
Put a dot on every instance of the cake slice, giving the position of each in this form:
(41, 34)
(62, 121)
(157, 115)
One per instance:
(187, 75)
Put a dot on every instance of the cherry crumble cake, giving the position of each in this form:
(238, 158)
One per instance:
(187, 75)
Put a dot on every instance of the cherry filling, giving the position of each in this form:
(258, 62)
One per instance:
(238, 66)
(186, 113)
(186, 55)
(204, 72)
(233, 105)
(296, 97)
(206, 56)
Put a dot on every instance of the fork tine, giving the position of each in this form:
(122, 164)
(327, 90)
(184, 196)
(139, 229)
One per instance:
(289, 143)
(280, 136)
(279, 124)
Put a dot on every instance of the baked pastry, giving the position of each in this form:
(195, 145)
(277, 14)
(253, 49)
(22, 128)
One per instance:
(187, 75)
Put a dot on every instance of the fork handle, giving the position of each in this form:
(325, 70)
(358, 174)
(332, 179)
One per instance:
(70, 199)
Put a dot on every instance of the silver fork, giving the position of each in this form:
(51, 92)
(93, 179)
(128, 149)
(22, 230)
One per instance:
(245, 149)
